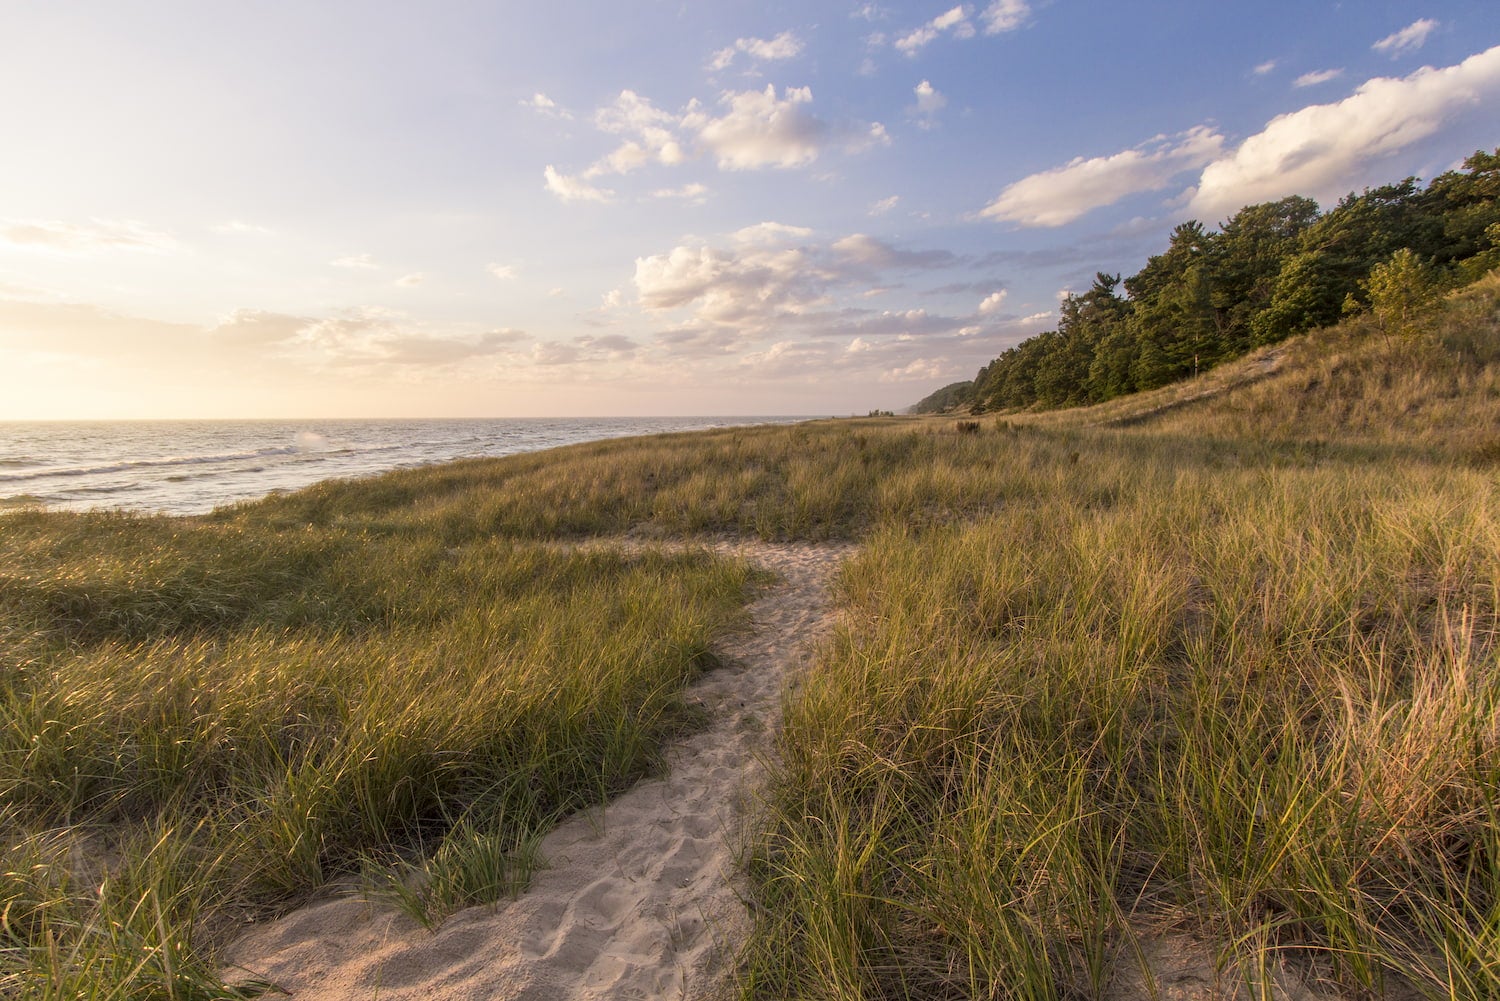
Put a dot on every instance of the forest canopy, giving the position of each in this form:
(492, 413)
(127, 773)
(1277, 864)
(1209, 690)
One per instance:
(1274, 270)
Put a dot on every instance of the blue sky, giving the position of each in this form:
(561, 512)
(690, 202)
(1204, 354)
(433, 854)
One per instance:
(464, 209)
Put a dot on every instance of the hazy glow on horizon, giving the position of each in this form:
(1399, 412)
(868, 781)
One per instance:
(351, 209)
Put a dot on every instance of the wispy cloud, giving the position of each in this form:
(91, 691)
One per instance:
(357, 261)
(1316, 77)
(1265, 67)
(954, 21)
(1005, 15)
(783, 46)
(544, 105)
(86, 237)
(694, 193)
(505, 272)
(929, 102)
(1408, 39)
(998, 17)
(573, 189)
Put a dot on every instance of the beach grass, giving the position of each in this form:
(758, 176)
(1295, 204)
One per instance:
(1232, 677)
(1218, 661)
(203, 724)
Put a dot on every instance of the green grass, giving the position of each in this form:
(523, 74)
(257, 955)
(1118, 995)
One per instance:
(1240, 682)
(230, 718)
(1220, 659)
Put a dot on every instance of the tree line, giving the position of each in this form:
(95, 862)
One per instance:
(1275, 269)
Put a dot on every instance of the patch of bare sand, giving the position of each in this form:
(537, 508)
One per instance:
(640, 899)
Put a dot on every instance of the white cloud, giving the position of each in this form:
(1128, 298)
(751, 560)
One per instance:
(694, 193)
(783, 46)
(412, 280)
(505, 272)
(1409, 38)
(542, 104)
(1324, 149)
(773, 278)
(1265, 67)
(1316, 77)
(358, 261)
(884, 205)
(1005, 15)
(1059, 196)
(770, 232)
(929, 102)
(651, 132)
(94, 235)
(992, 303)
(955, 20)
(573, 189)
(555, 292)
(761, 130)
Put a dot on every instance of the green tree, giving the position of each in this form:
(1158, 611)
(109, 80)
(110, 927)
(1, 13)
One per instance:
(1245, 259)
(1400, 288)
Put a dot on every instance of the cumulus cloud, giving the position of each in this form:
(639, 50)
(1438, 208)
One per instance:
(574, 189)
(1316, 77)
(1408, 39)
(759, 129)
(774, 277)
(992, 303)
(86, 237)
(1059, 196)
(884, 205)
(954, 21)
(749, 130)
(650, 131)
(783, 46)
(1323, 149)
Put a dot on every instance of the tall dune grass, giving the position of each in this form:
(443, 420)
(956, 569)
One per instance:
(201, 724)
(1240, 683)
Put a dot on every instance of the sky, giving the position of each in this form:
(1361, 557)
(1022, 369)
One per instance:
(506, 209)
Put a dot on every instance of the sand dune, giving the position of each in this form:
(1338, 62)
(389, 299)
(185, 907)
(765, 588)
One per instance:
(640, 897)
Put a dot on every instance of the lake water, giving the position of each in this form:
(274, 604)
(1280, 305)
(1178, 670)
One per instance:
(191, 467)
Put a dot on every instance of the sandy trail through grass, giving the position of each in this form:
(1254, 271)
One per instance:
(641, 898)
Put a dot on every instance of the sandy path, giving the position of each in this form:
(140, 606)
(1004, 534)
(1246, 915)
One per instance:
(639, 900)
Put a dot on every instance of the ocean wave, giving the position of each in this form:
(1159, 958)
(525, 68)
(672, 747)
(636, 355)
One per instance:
(127, 465)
